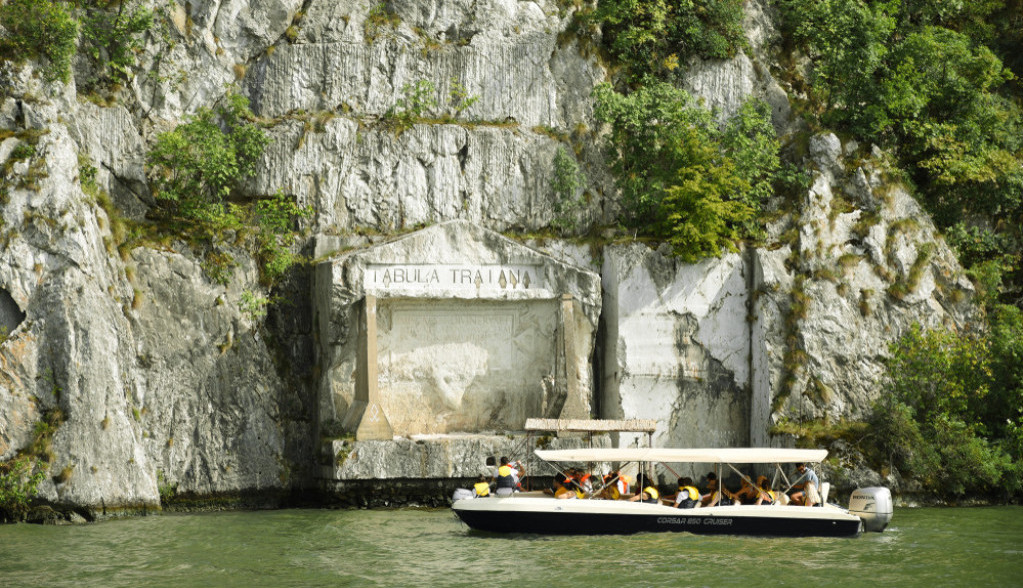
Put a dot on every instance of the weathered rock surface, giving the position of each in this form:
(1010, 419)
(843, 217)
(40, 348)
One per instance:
(170, 381)
(720, 351)
(677, 346)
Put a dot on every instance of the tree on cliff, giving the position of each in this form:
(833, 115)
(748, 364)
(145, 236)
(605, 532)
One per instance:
(195, 167)
(683, 179)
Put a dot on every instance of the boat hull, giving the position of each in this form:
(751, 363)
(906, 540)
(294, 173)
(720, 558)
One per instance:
(547, 517)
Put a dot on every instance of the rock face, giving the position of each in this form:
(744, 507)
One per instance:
(720, 351)
(677, 346)
(383, 118)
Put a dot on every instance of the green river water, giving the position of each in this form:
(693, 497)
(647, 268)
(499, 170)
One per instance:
(429, 547)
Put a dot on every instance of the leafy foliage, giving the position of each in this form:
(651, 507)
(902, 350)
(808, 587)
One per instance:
(20, 476)
(19, 481)
(951, 414)
(567, 181)
(459, 98)
(114, 38)
(679, 174)
(275, 216)
(40, 28)
(253, 305)
(195, 167)
(927, 81)
(654, 36)
(416, 100)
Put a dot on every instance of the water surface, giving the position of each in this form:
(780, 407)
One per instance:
(428, 547)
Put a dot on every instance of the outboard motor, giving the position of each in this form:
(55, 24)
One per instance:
(873, 505)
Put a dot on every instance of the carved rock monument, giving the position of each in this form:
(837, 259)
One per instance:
(452, 329)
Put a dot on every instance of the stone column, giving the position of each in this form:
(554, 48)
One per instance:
(366, 415)
(568, 331)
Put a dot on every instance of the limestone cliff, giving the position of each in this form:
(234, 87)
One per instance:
(169, 381)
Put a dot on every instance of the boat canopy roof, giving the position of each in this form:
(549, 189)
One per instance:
(705, 455)
(592, 425)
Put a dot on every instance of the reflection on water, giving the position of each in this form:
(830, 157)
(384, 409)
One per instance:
(417, 547)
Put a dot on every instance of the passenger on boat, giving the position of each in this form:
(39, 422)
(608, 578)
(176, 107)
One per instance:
(507, 480)
(688, 496)
(765, 496)
(713, 494)
(583, 484)
(564, 486)
(649, 495)
(747, 494)
(481, 488)
(806, 487)
(616, 485)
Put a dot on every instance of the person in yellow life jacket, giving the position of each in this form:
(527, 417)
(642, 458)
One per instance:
(767, 496)
(747, 494)
(649, 493)
(713, 495)
(564, 486)
(481, 488)
(688, 496)
(507, 479)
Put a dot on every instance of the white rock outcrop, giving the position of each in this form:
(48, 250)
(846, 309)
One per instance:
(170, 381)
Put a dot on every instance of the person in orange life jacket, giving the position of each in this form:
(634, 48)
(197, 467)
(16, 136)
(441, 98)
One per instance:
(577, 481)
(766, 495)
(584, 484)
(688, 496)
(481, 488)
(617, 485)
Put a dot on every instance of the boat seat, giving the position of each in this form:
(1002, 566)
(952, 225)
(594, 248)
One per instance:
(825, 488)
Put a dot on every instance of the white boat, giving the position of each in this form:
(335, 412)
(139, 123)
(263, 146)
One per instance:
(537, 512)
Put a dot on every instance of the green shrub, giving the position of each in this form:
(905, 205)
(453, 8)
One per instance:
(459, 98)
(678, 172)
(40, 28)
(950, 415)
(566, 183)
(416, 100)
(275, 216)
(19, 482)
(21, 475)
(927, 82)
(656, 36)
(114, 38)
(253, 305)
(194, 167)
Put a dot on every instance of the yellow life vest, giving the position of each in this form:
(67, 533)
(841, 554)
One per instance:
(482, 489)
(694, 494)
(652, 492)
(504, 471)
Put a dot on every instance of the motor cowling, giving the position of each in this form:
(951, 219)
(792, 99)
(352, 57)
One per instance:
(873, 505)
